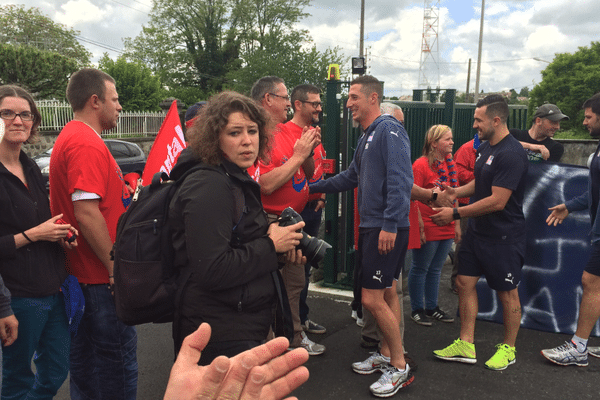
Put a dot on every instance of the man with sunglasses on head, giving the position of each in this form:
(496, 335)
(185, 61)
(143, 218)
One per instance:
(284, 183)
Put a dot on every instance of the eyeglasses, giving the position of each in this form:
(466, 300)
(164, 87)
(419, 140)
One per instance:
(11, 115)
(286, 97)
(315, 104)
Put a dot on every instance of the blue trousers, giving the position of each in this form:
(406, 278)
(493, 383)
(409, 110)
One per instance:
(424, 274)
(103, 353)
(44, 336)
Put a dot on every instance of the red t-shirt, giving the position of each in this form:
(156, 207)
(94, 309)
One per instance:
(81, 161)
(293, 193)
(318, 157)
(425, 177)
(465, 164)
(414, 234)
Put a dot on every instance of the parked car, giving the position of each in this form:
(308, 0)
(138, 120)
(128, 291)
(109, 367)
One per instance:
(129, 156)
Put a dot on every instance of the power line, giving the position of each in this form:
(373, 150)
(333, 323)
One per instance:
(132, 8)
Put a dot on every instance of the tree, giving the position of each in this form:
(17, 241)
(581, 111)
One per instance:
(43, 73)
(524, 92)
(139, 89)
(188, 43)
(567, 82)
(289, 60)
(198, 47)
(22, 26)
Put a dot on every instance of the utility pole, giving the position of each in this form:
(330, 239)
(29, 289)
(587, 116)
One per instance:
(468, 82)
(476, 97)
(362, 28)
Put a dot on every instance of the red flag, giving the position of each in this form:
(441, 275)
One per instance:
(167, 146)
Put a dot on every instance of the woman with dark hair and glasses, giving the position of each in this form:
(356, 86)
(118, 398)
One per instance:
(31, 259)
(224, 246)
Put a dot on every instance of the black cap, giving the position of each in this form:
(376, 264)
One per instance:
(549, 111)
(192, 111)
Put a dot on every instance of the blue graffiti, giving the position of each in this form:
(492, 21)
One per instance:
(550, 289)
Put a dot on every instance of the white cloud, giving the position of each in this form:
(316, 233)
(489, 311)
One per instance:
(75, 12)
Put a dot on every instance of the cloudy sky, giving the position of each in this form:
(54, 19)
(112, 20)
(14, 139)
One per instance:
(515, 32)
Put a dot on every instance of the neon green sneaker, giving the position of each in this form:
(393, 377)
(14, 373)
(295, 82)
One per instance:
(505, 356)
(460, 351)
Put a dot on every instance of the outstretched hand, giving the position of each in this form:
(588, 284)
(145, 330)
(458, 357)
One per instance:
(443, 217)
(558, 214)
(445, 197)
(260, 373)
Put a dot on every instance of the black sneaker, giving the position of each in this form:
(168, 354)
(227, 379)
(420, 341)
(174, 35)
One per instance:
(420, 318)
(312, 327)
(439, 315)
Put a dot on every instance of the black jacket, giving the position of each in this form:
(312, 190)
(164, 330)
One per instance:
(36, 269)
(231, 284)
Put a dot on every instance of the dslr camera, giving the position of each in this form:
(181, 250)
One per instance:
(313, 248)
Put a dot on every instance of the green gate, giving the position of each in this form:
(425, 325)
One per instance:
(340, 139)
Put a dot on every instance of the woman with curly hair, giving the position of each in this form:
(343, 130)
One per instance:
(435, 168)
(223, 243)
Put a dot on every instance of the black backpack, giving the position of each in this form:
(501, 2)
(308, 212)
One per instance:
(146, 282)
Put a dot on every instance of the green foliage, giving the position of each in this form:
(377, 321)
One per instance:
(572, 134)
(567, 82)
(199, 47)
(287, 58)
(138, 88)
(524, 92)
(43, 73)
(22, 26)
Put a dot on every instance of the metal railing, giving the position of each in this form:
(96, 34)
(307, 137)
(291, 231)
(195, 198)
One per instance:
(56, 114)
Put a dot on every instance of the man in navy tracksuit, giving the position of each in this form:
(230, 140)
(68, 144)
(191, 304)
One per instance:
(382, 170)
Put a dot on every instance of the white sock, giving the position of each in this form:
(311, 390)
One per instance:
(579, 343)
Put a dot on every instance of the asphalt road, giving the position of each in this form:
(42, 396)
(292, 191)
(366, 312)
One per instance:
(531, 377)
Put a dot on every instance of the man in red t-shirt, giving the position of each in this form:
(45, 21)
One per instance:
(283, 183)
(86, 185)
(465, 165)
(306, 101)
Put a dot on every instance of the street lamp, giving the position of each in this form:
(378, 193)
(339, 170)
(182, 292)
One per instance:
(539, 59)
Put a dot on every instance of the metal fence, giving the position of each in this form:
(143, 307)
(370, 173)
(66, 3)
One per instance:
(56, 114)
(419, 116)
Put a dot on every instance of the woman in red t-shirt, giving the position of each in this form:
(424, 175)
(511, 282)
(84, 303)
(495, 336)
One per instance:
(434, 169)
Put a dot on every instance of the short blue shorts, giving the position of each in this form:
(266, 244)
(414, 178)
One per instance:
(501, 263)
(593, 264)
(379, 271)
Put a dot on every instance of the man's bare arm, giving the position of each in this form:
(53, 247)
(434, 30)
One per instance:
(94, 230)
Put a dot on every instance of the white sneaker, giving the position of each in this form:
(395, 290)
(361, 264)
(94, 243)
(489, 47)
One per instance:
(594, 351)
(354, 315)
(566, 354)
(375, 362)
(360, 322)
(314, 349)
(391, 381)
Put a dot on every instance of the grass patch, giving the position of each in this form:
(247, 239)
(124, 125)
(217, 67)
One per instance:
(573, 134)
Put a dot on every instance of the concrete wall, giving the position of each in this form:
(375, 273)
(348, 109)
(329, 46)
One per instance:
(578, 151)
